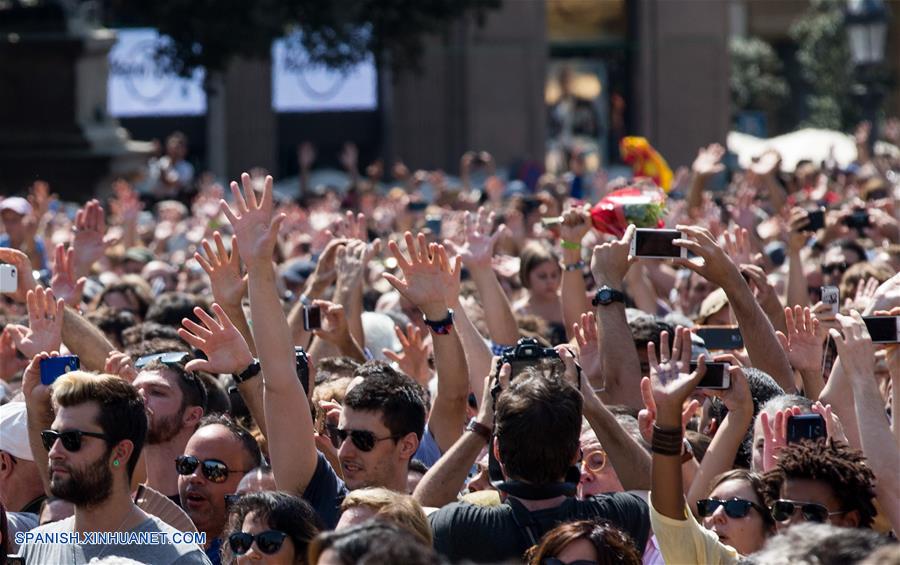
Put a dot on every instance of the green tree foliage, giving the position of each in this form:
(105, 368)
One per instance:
(336, 33)
(756, 75)
(824, 57)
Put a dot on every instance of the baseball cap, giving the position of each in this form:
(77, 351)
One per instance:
(17, 204)
(14, 431)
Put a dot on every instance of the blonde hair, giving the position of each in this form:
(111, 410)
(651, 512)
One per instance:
(394, 507)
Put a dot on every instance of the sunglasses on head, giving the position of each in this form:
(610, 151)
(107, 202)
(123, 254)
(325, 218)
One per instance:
(213, 469)
(364, 440)
(782, 510)
(734, 508)
(71, 439)
(268, 542)
(168, 358)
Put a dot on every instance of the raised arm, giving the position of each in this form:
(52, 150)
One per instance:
(804, 344)
(39, 412)
(762, 345)
(321, 279)
(575, 225)
(619, 363)
(288, 420)
(707, 164)
(431, 283)
(90, 240)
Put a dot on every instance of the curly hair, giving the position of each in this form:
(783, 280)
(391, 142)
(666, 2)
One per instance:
(843, 468)
(614, 547)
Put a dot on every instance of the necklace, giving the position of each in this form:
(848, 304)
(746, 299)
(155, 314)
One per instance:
(102, 551)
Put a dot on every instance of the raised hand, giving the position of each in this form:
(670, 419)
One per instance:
(39, 197)
(709, 160)
(25, 278)
(45, 320)
(349, 156)
(588, 345)
(224, 270)
(833, 426)
(351, 227)
(737, 245)
(805, 339)
(334, 323)
(225, 349)
(429, 280)
(10, 362)
(854, 346)
(647, 415)
(716, 265)
(255, 229)
(610, 261)
(670, 377)
(127, 205)
(90, 241)
(413, 360)
(64, 283)
(120, 364)
(764, 291)
(774, 435)
(37, 395)
(865, 295)
(478, 248)
(576, 222)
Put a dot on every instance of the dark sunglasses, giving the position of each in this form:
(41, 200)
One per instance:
(268, 542)
(169, 358)
(364, 440)
(213, 469)
(71, 439)
(782, 510)
(734, 508)
(832, 267)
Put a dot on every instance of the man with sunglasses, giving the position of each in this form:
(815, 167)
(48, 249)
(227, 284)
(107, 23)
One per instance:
(821, 481)
(215, 460)
(91, 438)
(175, 401)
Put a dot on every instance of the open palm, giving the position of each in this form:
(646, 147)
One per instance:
(254, 227)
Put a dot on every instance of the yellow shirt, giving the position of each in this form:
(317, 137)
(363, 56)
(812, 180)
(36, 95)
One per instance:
(684, 542)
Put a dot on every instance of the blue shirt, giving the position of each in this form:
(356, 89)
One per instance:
(325, 493)
(38, 244)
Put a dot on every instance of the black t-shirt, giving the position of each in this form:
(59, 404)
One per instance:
(496, 533)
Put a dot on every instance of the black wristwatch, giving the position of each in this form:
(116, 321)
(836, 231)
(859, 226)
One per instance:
(440, 327)
(606, 295)
(251, 371)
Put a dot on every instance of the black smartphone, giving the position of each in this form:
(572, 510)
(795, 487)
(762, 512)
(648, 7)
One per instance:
(302, 367)
(858, 219)
(312, 318)
(657, 244)
(716, 377)
(883, 329)
(805, 426)
(816, 220)
(433, 223)
(54, 367)
(417, 206)
(721, 337)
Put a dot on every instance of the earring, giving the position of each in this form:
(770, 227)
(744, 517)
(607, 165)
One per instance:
(115, 462)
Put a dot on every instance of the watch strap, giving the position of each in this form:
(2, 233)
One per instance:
(251, 371)
(480, 429)
(614, 296)
(578, 266)
(440, 327)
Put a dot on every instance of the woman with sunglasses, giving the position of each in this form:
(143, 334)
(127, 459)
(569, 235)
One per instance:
(269, 527)
(586, 542)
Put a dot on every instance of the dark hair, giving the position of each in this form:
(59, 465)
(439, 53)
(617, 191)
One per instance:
(533, 255)
(757, 483)
(4, 534)
(242, 434)
(362, 543)
(762, 389)
(849, 245)
(279, 511)
(112, 322)
(331, 368)
(613, 546)
(121, 413)
(416, 466)
(217, 401)
(130, 289)
(537, 421)
(399, 398)
(699, 444)
(843, 468)
(151, 331)
(193, 390)
(170, 308)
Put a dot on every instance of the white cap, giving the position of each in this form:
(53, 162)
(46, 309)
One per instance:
(14, 431)
(17, 204)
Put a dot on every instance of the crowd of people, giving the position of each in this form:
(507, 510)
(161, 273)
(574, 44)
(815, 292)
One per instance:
(411, 370)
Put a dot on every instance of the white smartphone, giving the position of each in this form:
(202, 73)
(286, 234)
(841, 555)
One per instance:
(9, 279)
(831, 295)
(657, 244)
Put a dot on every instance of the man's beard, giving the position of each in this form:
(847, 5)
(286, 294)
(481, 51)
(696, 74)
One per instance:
(84, 487)
(164, 429)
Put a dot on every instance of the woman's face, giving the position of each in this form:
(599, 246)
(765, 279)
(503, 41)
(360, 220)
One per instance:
(747, 534)
(286, 554)
(579, 550)
(543, 280)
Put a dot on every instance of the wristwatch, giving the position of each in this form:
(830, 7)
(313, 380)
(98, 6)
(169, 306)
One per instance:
(251, 371)
(577, 266)
(606, 295)
(440, 327)
(480, 429)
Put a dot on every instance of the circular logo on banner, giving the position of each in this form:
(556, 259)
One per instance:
(141, 74)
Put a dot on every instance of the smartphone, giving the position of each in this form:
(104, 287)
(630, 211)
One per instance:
(417, 206)
(9, 279)
(883, 329)
(312, 317)
(433, 223)
(717, 376)
(302, 360)
(54, 367)
(816, 220)
(551, 222)
(721, 337)
(831, 295)
(657, 244)
(858, 219)
(805, 426)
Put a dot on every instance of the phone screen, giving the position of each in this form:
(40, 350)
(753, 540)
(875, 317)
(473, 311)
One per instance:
(717, 376)
(656, 243)
(724, 338)
(831, 296)
(816, 220)
(883, 329)
(805, 426)
(312, 317)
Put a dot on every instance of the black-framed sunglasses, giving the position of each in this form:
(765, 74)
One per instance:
(71, 439)
(734, 507)
(782, 510)
(168, 358)
(832, 267)
(213, 469)
(364, 440)
(268, 542)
